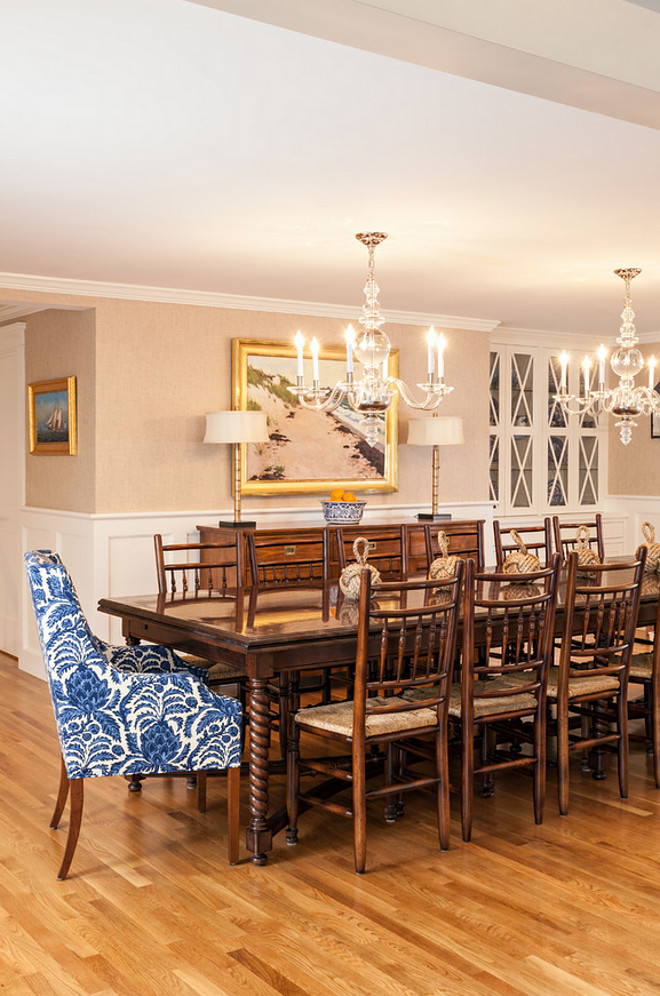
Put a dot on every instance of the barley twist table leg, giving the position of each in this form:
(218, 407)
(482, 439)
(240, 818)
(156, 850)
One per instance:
(259, 834)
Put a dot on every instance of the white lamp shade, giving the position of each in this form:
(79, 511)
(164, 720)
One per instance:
(441, 431)
(236, 427)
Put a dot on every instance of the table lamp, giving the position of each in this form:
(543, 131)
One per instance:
(236, 427)
(437, 431)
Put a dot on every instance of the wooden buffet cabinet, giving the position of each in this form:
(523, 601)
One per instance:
(465, 538)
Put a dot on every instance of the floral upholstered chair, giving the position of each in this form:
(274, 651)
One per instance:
(125, 710)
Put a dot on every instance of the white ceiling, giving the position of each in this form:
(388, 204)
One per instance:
(171, 144)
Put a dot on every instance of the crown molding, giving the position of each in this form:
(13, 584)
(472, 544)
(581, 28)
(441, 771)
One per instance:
(546, 337)
(236, 302)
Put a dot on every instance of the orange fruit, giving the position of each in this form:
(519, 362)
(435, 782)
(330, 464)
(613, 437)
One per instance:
(349, 496)
(336, 494)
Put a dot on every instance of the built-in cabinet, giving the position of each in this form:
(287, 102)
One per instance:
(541, 461)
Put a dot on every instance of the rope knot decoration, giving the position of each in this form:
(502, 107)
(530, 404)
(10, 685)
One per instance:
(520, 561)
(443, 566)
(652, 549)
(350, 577)
(585, 554)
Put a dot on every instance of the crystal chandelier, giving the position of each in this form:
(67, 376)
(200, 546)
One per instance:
(626, 400)
(372, 393)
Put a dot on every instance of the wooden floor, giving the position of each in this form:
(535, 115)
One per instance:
(151, 906)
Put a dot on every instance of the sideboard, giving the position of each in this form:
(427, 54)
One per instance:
(465, 538)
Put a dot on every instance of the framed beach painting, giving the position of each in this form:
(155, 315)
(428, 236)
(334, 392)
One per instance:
(52, 416)
(308, 452)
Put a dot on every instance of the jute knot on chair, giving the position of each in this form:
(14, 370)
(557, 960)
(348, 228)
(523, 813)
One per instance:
(443, 566)
(652, 548)
(520, 561)
(349, 579)
(586, 555)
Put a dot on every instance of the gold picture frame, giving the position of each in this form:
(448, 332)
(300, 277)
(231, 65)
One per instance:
(52, 417)
(308, 452)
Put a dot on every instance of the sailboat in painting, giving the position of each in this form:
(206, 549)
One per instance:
(55, 421)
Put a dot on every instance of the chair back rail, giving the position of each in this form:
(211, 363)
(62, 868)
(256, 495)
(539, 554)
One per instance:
(537, 539)
(387, 553)
(274, 561)
(566, 540)
(198, 568)
(466, 543)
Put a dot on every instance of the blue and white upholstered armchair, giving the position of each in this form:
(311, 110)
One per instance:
(125, 710)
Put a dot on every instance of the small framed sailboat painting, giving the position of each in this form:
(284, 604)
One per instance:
(52, 416)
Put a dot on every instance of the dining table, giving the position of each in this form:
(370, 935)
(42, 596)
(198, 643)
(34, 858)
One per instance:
(266, 632)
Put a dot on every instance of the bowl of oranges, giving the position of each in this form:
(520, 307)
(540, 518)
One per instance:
(342, 508)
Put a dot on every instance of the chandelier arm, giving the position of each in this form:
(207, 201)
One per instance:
(435, 393)
(317, 399)
(593, 405)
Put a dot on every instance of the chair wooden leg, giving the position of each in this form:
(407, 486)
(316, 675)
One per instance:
(292, 781)
(359, 807)
(442, 772)
(390, 807)
(622, 709)
(539, 767)
(75, 818)
(562, 760)
(655, 721)
(62, 795)
(202, 779)
(288, 690)
(233, 813)
(467, 779)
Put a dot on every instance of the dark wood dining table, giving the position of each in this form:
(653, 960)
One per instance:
(266, 632)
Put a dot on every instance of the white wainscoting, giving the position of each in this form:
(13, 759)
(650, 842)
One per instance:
(113, 555)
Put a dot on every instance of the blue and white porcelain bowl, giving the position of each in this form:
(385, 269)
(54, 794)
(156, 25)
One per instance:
(340, 513)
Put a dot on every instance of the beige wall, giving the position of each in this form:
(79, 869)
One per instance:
(635, 469)
(59, 344)
(153, 370)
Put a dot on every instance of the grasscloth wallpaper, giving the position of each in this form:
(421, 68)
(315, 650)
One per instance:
(148, 372)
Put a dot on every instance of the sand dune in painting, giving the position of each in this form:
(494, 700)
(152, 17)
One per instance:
(306, 445)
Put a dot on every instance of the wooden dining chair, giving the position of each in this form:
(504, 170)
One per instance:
(645, 673)
(565, 535)
(500, 701)
(203, 570)
(406, 644)
(590, 684)
(276, 563)
(388, 553)
(462, 542)
(537, 539)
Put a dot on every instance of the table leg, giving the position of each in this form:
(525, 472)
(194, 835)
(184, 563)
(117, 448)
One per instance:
(259, 836)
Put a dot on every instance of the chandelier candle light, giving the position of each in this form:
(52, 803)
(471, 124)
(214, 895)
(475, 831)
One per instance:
(372, 393)
(625, 400)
